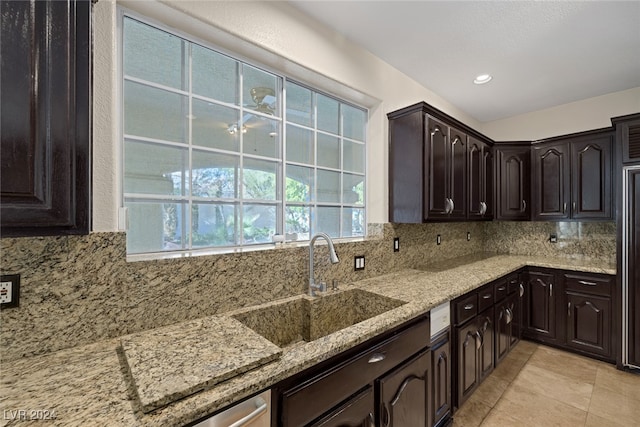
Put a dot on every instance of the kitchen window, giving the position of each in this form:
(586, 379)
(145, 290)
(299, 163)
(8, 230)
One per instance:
(223, 154)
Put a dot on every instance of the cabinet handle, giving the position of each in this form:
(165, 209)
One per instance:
(372, 422)
(453, 206)
(521, 290)
(502, 288)
(509, 315)
(479, 340)
(385, 415)
(582, 282)
(261, 406)
(486, 296)
(468, 307)
(483, 208)
(564, 208)
(569, 309)
(377, 357)
(524, 205)
(574, 207)
(550, 289)
(447, 205)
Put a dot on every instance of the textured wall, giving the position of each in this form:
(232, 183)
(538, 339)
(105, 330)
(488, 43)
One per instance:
(78, 290)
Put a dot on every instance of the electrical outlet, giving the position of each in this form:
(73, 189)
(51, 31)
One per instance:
(468, 236)
(358, 262)
(9, 290)
(396, 244)
(553, 238)
(438, 239)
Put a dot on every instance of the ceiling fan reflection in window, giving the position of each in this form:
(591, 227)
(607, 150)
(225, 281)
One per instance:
(265, 103)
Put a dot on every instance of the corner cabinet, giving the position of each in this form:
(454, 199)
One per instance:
(571, 310)
(513, 178)
(572, 177)
(46, 113)
(433, 175)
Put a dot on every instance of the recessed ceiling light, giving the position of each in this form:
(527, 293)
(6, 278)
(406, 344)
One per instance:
(482, 79)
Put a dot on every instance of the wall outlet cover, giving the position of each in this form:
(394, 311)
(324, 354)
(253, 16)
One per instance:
(9, 290)
(396, 244)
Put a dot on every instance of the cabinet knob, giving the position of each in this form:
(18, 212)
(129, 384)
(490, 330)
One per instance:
(468, 307)
(564, 208)
(569, 309)
(453, 206)
(524, 205)
(574, 207)
(521, 290)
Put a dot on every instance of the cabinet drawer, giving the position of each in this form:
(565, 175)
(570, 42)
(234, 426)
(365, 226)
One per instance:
(589, 283)
(315, 396)
(485, 298)
(466, 308)
(500, 290)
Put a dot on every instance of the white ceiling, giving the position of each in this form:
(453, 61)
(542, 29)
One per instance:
(540, 54)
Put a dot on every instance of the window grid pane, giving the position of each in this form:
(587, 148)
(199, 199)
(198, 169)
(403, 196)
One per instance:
(205, 164)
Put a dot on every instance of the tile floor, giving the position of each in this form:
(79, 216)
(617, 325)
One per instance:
(540, 386)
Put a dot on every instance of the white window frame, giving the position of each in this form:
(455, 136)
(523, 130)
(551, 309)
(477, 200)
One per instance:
(280, 200)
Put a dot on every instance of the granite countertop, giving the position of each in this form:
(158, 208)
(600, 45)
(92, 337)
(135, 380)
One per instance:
(96, 385)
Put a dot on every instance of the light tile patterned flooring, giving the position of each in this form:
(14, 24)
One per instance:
(540, 386)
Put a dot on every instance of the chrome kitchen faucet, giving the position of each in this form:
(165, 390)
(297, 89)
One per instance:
(333, 257)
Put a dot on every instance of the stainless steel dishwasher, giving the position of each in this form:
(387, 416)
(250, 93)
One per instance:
(253, 412)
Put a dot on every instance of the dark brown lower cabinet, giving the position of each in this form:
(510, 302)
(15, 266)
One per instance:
(485, 327)
(467, 346)
(383, 382)
(356, 412)
(405, 394)
(441, 375)
(589, 323)
(540, 306)
(507, 325)
(571, 310)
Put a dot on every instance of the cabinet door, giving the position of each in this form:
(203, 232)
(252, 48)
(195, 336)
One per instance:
(45, 120)
(591, 166)
(468, 345)
(489, 183)
(475, 187)
(486, 328)
(539, 300)
(480, 180)
(513, 182)
(514, 307)
(631, 266)
(458, 174)
(441, 371)
(551, 182)
(356, 412)
(439, 158)
(503, 331)
(589, 323)
(405, 394)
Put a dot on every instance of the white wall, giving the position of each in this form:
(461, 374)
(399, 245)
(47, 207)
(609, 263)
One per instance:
(278, 36)
(592, 113)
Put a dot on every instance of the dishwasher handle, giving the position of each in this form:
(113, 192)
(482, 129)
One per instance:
(261, 407)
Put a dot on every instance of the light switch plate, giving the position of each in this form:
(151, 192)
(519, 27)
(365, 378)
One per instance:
(358, 262)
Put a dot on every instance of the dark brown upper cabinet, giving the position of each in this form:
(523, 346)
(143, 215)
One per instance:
(513, 182)
(572, 177)
(447, 166)
(480, 180)
(429, 168)
(45, 77)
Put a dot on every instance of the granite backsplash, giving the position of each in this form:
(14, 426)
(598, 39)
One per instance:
(80, 289)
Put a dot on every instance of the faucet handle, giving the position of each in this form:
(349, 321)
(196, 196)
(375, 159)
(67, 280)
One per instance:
(322, 287)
